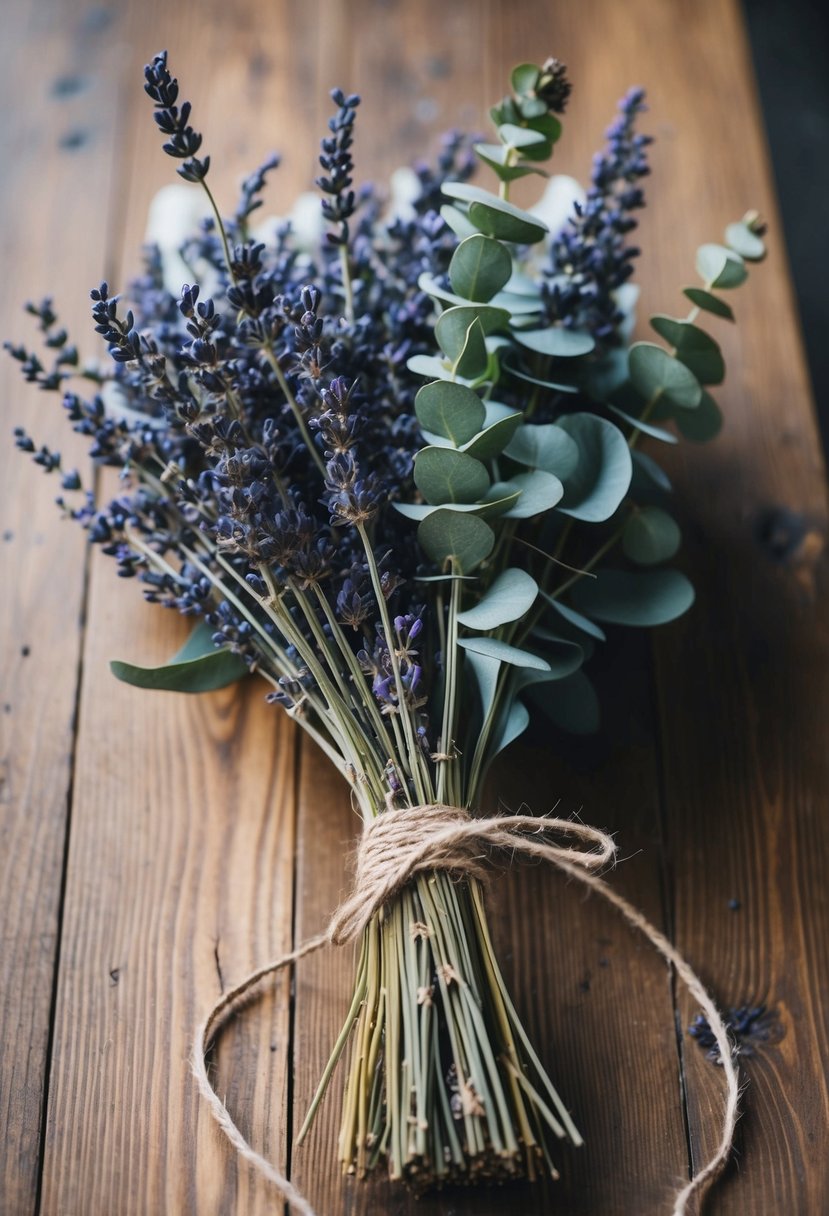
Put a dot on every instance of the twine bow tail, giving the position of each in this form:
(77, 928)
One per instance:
(394, 849)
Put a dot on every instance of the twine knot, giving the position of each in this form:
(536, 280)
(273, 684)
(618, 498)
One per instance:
(398, 845)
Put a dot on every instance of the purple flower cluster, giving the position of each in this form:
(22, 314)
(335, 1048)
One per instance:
(590, 259)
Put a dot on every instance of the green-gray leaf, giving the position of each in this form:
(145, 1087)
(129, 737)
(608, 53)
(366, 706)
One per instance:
(454, 535)
(198, 667)
(451, 410)
(494, 649)
(544, 446)
(577, 619)
(601, 479)
(479, 268)
(653, 371)
(709, 302)
(495, 217)
(511, 595)
(458, 221)
(512, 722)
(558, 385)
(519, 137)
(564, 658)
(444, 475)
(703, 423)
(556, 341)
(720, 267)
(494, 438)
(648, 466)
(524, 78)
(571, 704)
(650, 536)
(647, 428)
(625, 597)
(694, 347)
(745, 242)
(539, 492)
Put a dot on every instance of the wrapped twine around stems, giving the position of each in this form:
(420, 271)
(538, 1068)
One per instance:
(398, 845)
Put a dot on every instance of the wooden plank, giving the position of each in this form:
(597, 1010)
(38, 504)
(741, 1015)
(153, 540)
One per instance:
(55, 138)
(746, 786)
(573, 981)
(121, 1144)
(179, 876)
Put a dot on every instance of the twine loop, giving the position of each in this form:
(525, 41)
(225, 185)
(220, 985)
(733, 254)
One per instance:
(394, 849)
(398, 845)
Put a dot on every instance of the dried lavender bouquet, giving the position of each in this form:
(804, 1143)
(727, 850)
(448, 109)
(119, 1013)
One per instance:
(398, 474)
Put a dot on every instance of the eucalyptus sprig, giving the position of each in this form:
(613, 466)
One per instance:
(277, 445)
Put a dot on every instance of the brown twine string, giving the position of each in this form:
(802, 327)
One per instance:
(398, 845)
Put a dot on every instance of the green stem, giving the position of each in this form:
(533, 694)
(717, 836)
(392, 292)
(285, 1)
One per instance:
(295, 410)
(348, 290)
(222, 232)
(417, 766)
(447, 783)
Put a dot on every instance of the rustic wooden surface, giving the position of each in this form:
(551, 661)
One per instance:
(153, 848)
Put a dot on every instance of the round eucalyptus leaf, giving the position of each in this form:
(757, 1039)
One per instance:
(451, 410)
(720, 267)
(563, 656)
(708, 302)
(571, 704)
(199, 666)
(545, 446)
(490, 506)
(519, 137)
(653, 371)
(532, 107)
(703, 423)
(742, 240)
(494, 649)
(577, 619)
(512, 722)
(495, 156)
(647, 428)
(511, 595)
(444, 475)
(538, 492)
(556, 341)
(641, 597)
(694, 347)
(453, 535)
(651, 535)
(601, 478)
(457, 220)
(603, 377)
(429, 284)
(493, 439)
(560, 387)
(479, 268)
(524, 78)
(461, 337)
(495, 217)
(550, 128)
(432, 367)
(645, 467)
(517, 305)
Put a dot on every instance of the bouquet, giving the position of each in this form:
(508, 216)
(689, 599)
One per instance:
(397, 471)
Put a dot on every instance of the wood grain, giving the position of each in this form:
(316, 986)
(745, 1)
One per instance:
(179, 874)
(711, 765)
(55, 144)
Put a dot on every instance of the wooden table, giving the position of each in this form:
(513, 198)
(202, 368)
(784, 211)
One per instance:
(155, 847)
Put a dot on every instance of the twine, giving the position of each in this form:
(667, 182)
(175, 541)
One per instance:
(400, 844)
